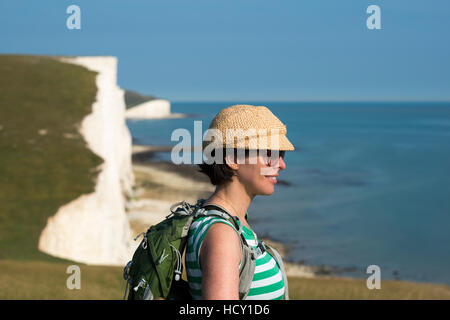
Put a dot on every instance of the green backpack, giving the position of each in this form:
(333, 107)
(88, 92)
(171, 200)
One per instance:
(156, 267)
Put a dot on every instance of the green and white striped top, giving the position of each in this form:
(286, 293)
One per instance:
(267, 283)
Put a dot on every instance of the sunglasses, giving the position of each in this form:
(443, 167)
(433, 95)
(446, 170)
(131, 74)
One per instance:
(281, 153)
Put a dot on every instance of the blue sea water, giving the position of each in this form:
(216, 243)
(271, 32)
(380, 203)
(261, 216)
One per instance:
(370, 184)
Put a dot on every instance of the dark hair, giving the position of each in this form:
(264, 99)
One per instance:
(220, 173)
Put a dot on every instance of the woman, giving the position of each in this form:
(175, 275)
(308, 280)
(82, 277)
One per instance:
(214, 251)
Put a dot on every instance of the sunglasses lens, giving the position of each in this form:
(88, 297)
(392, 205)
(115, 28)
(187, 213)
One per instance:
(281, 153)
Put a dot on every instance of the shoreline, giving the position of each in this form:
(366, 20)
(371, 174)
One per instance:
(159, 184)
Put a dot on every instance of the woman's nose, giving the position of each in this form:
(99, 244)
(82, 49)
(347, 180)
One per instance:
(281, 163)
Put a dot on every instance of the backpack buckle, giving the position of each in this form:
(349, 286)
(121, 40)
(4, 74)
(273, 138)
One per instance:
(186, 207)
(199, 212)
(261, 248)
(141, 283)
(144, 242)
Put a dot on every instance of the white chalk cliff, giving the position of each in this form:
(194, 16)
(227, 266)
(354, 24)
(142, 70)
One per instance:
(157, 108)
(153, 109)
(94, 228)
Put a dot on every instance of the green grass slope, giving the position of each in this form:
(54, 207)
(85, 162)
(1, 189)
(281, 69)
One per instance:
(48, 280)
(41, 172)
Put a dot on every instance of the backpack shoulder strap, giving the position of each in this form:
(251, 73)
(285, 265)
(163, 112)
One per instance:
(276, 255)
(216, 210)
(248, 259)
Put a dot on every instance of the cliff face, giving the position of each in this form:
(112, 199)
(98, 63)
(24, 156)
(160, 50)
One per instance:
(94, 228)
(157, 108)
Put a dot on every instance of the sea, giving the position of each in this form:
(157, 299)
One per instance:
(368, 184)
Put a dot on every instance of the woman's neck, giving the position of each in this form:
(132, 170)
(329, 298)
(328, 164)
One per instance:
(233, 198)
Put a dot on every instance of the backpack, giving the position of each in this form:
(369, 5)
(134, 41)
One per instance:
(156, 267)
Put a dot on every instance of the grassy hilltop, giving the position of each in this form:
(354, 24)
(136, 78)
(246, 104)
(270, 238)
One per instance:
(133, 98)
(45, 163)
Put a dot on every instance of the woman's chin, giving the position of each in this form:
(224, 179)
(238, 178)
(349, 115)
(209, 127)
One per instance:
(267, 191)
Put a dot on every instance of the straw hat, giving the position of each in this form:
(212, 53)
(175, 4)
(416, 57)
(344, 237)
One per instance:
(247, 127)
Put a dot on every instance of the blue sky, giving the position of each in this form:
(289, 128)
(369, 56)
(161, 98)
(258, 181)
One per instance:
(214, 50)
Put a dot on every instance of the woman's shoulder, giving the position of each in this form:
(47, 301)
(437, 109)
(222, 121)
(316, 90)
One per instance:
(213, 230)
(221, 243)
(221, 233)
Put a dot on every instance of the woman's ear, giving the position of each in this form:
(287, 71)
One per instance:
(229, 160)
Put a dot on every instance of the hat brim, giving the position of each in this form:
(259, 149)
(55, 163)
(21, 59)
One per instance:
(279, 142)
(285, 144)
